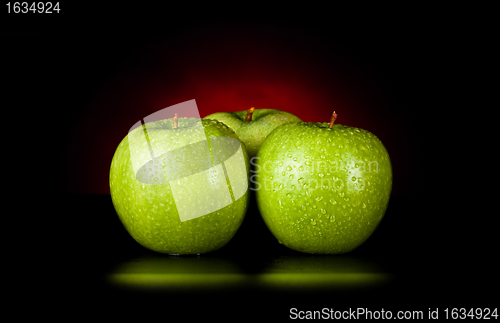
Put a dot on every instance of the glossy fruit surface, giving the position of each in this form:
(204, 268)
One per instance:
(254, 131)
(188, 199)
(322, 190)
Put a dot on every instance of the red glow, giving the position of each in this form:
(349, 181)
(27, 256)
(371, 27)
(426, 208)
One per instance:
(222, 70)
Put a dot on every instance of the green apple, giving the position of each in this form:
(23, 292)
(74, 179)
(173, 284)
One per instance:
(322, 188)
(180, 186)
(252, 126)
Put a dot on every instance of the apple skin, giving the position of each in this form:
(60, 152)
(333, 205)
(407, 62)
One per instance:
(149, 212)
(321, 190)
(253, 132)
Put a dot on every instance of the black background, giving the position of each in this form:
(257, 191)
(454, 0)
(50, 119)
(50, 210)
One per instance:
(62, 234)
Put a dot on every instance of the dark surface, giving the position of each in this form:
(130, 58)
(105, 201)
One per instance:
(90, 243)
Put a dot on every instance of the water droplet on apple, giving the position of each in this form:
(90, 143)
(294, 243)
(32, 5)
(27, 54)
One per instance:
(323, 211)
(301, 180)
(290, 177)
(341, 194)
(289, 195)
(321, 174)
(289, 155)
(353, 178)
(319, 198)
(346, 199)
(363, 206)
(308, 163)
(283, 173)
(332, 218)
(333, 201)
(289, 168)
(301, 168)
(280, 164)
(313, 222)
(295, 159)
(341, 146)
(293, 187)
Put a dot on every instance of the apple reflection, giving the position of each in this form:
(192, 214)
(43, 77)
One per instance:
(283, 273)
(176, 273)
(332, 272)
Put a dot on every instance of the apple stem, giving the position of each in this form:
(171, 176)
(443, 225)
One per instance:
(175, 121)
(332, 120)
(249, 114)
